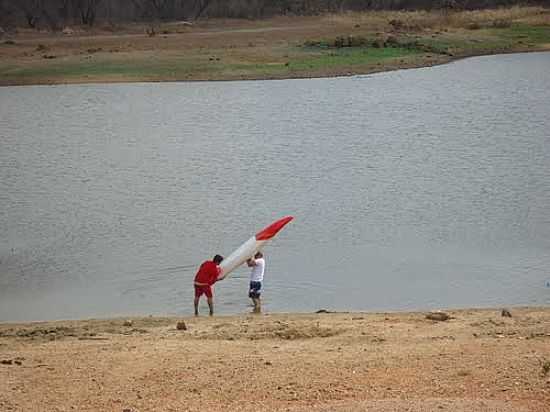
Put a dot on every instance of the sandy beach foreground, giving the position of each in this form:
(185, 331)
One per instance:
(477, 360)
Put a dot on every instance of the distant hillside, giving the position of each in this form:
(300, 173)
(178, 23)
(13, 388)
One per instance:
(56, 14)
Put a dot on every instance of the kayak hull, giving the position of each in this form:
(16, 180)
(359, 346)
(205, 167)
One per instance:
(253, 245)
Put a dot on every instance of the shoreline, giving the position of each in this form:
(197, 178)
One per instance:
(478, 360)
(326, 46)
(174, 318)
(305, 77)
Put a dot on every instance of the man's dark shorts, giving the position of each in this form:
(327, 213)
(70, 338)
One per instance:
(254, 291)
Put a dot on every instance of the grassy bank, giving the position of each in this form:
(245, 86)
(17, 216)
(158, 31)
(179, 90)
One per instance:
(284, 47)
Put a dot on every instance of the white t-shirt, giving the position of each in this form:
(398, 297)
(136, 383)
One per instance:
(257, 274)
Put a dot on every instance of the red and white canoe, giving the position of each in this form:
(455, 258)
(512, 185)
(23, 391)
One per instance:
(249, 248)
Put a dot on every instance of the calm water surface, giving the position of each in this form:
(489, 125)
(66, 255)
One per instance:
(414, 189)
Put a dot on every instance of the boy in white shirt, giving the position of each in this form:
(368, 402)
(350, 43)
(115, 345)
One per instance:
(256, 278)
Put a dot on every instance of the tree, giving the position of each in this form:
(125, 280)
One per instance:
(88, 11)
(200, 7)
(32, 9)
(161, 8)
(38, 11)
(65, 10)
(7, 16)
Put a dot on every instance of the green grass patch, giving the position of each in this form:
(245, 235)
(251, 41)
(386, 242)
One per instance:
(488, 40)
(443, 43)
(141, 69)
(317, 60)
(532, 34)
(339, 42)
(460, 45)
(347, 57)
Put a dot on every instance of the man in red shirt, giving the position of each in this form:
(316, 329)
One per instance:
(208, 274)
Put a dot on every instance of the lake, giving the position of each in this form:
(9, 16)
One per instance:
(411, 190)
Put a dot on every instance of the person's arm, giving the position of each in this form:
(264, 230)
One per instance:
(251, 262)
(220, 275)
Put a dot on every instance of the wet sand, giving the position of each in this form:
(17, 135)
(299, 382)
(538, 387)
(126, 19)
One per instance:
(477, 360)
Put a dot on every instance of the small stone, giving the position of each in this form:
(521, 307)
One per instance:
(438, 316)
(268, 363)
(181, 326)
(128, 323)
(506, 313)
(6, 362)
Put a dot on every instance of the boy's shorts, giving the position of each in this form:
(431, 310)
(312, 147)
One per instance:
(203, 289)
(254, 291)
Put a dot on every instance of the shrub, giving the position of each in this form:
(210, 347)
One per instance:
(473, 26)
(501, 23)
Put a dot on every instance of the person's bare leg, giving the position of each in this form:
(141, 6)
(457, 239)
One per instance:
(196, 302)
(257, 306)
(211, 305)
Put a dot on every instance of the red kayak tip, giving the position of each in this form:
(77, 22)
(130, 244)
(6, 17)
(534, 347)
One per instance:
(273, 229)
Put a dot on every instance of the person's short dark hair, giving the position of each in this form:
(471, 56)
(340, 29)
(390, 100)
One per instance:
(217, 259)
(258, 255)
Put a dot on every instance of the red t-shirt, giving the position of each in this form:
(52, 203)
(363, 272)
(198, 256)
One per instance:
(208, 273)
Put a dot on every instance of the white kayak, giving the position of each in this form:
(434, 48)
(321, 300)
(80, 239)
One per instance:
(249, 248)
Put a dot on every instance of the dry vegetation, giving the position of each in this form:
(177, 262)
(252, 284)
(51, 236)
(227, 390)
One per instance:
(444, 19)
(475, 361)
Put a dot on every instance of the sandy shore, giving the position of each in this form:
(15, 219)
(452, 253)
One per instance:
(476, 361)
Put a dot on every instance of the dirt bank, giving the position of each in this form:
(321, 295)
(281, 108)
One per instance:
(476, 361)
